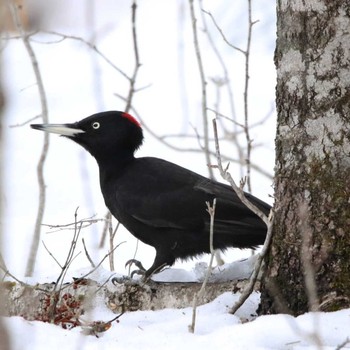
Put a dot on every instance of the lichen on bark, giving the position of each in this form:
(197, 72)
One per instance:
(312, 157)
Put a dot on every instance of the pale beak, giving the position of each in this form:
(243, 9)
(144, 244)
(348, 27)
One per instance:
(61, 129)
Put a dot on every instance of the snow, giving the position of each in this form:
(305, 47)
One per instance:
(240, 269)
(79, 83)
(215, 329)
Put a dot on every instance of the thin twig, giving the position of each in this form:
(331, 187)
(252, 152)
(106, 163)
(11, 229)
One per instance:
(112, 234)
(87, 254)
(70, 255)
(217, 114)
(134, 257)
(342, 344)
(108, 222)
(92, 47)
(268, 220)
(128, 100)
(25, 122)
(225, 81)
(200, 294)
(257, 266)
(204, 88)
(101, 261)
(245, 94)
(40, 167)
(227, 176)
(137, 58)
(224, 157)
(52, 256)
(222, 34)
(76, 38)
(8, 273)
(246, 54)
(55, 295)
(63, 227)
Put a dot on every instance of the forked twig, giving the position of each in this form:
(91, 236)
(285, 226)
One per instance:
(268, 220)
(246, 54)
(70, 255)
(200, 294)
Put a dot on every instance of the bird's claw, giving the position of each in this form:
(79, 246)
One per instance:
(125, 280)
(140, 271)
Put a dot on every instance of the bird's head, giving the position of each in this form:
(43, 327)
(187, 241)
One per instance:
(105, 134)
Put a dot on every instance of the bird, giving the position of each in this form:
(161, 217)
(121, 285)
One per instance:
(159, 202)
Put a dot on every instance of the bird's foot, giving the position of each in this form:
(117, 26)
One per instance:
(125, 280)
(140, 271)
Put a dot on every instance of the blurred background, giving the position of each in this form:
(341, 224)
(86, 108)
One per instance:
(85, 51)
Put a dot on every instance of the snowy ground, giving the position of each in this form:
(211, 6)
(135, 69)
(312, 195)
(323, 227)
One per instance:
(215, 327)
(79, 83)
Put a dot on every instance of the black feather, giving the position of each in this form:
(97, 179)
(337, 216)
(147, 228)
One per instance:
(160, 203)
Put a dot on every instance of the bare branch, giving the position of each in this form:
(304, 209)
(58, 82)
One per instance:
(161, 139)
(8, 273)
(246, 86)
(128, 100)
(342, 344)
(227, 176)
(112, 234)
(70, 255)
(199, 296)
(52, 256)
(44, 113)
(257, 266)
(84, 223)
(26, 122)
(217, 114)
(137, 58)
(222, 34)
(267, 220)
(246, 54)
(225, 81)
(87, 253)
(204, 88)
(92, 47)
(101, 261)
(108, 222)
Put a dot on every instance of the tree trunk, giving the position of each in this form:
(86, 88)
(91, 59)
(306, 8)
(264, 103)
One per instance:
(309, 260)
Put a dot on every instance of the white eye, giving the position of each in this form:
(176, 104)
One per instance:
(96, 125)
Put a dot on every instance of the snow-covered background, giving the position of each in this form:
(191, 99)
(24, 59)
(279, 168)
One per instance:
(78, 82)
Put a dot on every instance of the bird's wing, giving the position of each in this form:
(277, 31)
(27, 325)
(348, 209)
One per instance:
(226, 193)
(176, 198)
(231, 214)
(185, 208)
(169, 209)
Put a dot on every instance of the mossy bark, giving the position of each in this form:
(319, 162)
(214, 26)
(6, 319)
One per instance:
(311, 242)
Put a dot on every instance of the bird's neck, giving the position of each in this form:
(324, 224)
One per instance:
(114, 165)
